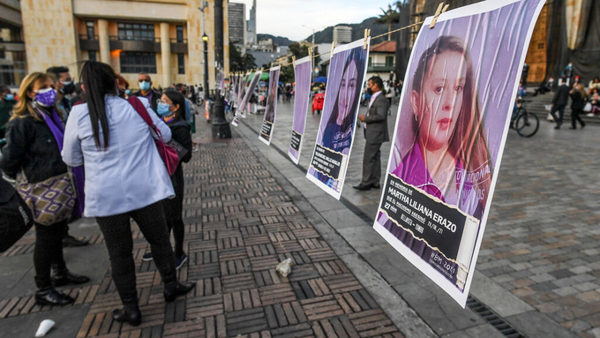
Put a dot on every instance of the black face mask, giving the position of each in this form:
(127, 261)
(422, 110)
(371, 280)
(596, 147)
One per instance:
(69, 88)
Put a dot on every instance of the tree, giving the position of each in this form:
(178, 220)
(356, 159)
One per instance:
(298, 50)
(389, 17)
(239, 62)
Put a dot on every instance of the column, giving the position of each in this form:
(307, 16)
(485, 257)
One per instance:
(104, 41)
(165, 51)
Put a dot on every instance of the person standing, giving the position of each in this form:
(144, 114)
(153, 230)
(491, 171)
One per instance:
(577, 103)
(172, 111)
(34, 140)
(376, 132)
(146, 90)
(7, 101)
(125, 178)
(559, 102)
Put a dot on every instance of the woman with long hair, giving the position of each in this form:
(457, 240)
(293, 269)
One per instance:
(338, 132)
(578, 97)
(34, 140)
(449, 158)
(125, 178)
(171, 109)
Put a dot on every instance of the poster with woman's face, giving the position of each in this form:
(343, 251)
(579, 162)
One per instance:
(266, 131)
(449, 136)
(336, 131)
(302, 70)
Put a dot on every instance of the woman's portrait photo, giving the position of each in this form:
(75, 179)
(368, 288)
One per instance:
(449, 157)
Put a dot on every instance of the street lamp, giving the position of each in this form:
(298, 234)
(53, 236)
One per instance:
(205, 42)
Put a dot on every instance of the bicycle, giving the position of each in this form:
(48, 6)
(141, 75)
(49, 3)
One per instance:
(525, 123)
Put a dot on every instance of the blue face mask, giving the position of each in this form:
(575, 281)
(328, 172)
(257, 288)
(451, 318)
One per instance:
(144, 85)
(9, 97)
(163, 109)
(127, 91)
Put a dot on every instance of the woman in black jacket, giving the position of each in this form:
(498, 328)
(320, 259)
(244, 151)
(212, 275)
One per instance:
(171, 108)
(33, 148)
(577, 104)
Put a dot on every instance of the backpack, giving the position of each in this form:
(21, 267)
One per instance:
(15, 217)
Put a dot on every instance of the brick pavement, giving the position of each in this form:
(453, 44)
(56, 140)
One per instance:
(542, 239)
(239, 224)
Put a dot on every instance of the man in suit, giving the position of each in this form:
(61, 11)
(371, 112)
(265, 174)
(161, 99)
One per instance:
(376, 132)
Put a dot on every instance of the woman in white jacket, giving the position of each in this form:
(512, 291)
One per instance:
(124, 178)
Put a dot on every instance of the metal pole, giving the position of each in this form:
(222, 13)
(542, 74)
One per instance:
(206, 69)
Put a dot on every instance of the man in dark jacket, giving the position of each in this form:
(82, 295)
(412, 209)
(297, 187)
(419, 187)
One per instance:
(376, 132)
(146, 90)
(559, 102)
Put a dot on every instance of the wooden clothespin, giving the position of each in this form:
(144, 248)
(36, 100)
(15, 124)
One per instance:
(367, 33)
(332, 48)
(441, 9)
(294, 59)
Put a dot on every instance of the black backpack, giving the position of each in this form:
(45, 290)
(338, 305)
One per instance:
(15, 217)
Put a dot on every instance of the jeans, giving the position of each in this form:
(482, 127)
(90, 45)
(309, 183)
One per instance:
(48, 250)
(119, 243)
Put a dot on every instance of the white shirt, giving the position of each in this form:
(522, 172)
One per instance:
(130, 174)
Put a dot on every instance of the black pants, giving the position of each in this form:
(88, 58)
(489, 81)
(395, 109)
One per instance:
(561, 113)
(575, 117)
(48, 250)
(371, 164)
(174, 211)
(117, 236)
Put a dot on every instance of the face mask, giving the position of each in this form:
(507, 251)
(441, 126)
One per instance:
(68, 87)
(163, 109)
(127, 91)
(144, 85)
(9, 97)
(46, 97)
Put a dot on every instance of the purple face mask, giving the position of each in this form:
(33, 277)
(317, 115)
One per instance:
(46, 97)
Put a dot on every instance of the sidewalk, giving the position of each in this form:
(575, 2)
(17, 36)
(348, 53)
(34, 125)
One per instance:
(240, 223)
(537, 269)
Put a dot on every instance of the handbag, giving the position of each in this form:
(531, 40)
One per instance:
(588, 107)
(50, 201)
(15, 217)
(167, 152)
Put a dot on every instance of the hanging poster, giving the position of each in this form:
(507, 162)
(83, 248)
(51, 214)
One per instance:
(244, 84)
(266, 131)
(449, 136)
(302, 71)
(327, 168)
(252, 82)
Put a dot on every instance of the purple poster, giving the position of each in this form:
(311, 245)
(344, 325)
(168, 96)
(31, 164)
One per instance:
(449, 136)
(302, 70)
(253, 81)
(338, 122)
(266, 131)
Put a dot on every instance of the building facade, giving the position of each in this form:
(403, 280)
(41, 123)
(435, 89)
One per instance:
(251, 39)
(237, 24)
(342, 34)
(13, 66)
(382, 60)
(162, 38)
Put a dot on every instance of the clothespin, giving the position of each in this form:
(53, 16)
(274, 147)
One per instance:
(294, 59)
(367, 33)
(441, 9)
(332, 48)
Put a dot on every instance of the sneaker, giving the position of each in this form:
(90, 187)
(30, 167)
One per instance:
(180, 261)
(147, 257)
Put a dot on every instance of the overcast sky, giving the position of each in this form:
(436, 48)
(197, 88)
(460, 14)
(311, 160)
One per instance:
(295, 19)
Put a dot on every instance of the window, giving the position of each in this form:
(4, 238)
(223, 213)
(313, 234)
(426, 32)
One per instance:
(89, 26)
(389, 61)
(2, 54)
(92, 55)
(138, 62)
(181, 63)
(136, 31)
(370, 61)
(179, 29)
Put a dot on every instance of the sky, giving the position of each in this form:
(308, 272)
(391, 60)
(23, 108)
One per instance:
(295, 19)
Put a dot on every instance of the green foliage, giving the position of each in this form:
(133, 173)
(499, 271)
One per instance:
(239, 62)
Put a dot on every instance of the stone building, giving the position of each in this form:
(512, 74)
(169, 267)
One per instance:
(162, 38)
(237, 24)
(342, 35)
